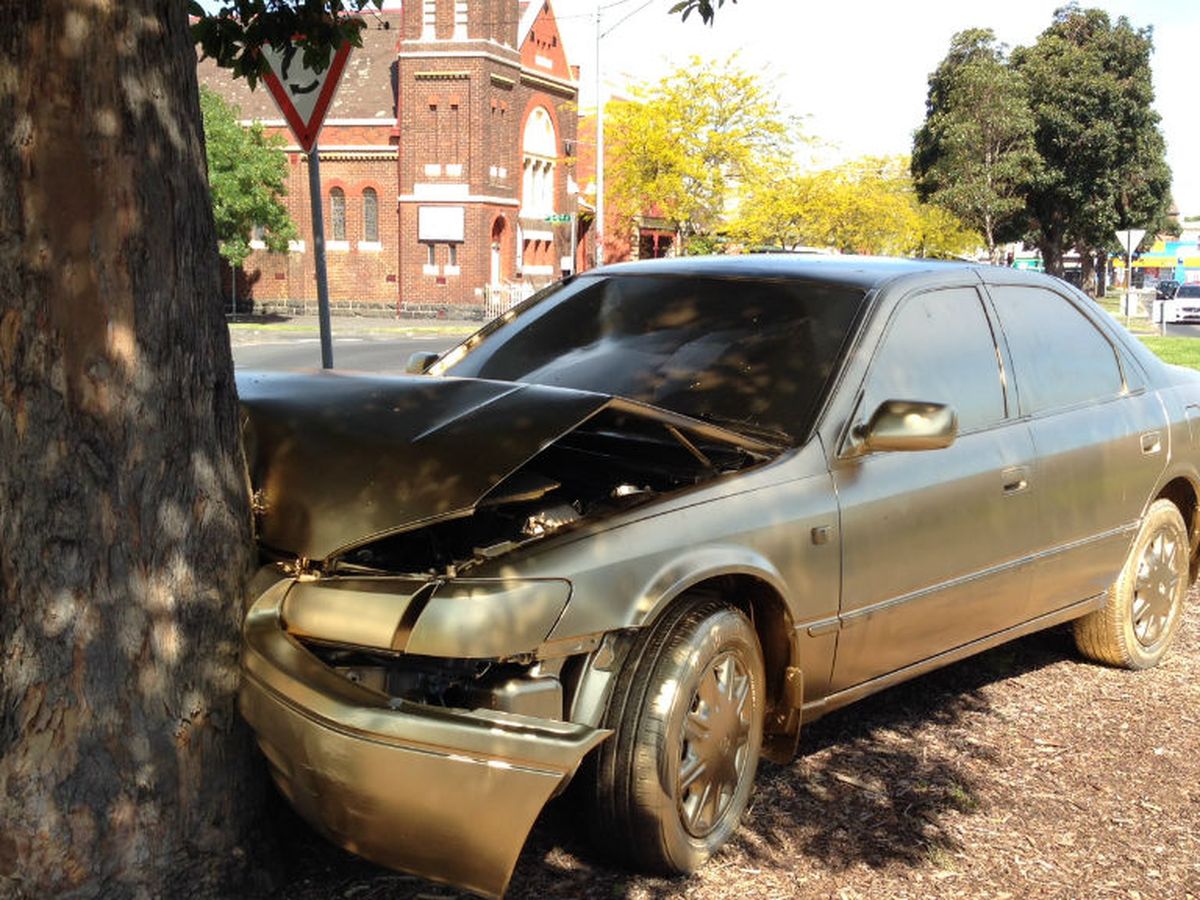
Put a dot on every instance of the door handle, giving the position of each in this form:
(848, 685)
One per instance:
(1015, 479)
(1151, 442)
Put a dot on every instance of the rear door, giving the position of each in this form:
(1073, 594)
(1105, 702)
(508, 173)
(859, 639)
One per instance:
(936, 543)
(1100, 436)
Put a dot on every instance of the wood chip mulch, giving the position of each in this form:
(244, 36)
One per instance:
(1020, 773)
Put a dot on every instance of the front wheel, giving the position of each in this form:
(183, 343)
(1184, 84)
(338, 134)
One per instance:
(1145, 605)
(687, 711)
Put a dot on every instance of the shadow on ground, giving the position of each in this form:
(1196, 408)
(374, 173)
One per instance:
(867, 788)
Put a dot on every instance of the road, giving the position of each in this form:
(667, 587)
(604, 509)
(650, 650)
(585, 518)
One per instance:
(364, 354)
(1183, 330)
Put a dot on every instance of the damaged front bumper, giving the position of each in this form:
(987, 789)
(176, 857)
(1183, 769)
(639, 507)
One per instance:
(448, 794)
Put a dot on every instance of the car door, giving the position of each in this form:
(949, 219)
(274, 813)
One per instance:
(935, 543)
(1100, 436)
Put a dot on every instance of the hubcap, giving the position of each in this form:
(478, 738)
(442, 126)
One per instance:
(716, 739)
(1158, 577)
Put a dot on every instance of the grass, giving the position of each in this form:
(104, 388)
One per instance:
(1179, 351)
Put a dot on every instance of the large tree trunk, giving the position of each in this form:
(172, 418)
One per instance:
(123, 514)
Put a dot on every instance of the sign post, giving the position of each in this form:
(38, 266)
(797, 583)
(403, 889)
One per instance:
(1129, 239)
(304, 96)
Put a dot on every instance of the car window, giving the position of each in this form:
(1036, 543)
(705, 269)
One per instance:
(752, 352)
(1188, 290)
(1059, 357)
(939, 348)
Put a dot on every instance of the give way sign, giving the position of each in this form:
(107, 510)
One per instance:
(302, 95)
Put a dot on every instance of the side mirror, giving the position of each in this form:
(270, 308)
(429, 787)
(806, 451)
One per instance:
(419, 362)
(908, 425)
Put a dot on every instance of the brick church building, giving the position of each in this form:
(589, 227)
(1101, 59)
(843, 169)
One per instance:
(447, 161)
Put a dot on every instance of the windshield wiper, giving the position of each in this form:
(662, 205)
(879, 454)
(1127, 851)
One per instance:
(747, 429)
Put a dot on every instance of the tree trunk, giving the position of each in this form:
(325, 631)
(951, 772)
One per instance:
(1087, 264)
(1052, 255)
(124, 769)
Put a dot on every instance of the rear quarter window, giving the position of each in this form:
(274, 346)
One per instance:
(1060, 358)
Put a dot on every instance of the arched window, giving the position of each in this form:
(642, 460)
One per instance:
(370, 215)
(337, 214)
(539, 147)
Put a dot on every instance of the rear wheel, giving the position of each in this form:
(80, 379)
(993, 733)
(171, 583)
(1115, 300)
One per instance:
(1145, 604)
(673, 781)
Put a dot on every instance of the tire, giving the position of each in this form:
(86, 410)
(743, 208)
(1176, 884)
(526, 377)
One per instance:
(1136, 625)
(700, 663)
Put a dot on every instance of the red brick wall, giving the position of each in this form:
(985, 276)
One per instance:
(358, 276)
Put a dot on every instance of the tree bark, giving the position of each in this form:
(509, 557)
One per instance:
(124, 522)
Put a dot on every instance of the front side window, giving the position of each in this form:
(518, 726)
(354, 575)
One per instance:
(744, 353)
(939, 348)
(370, 215)
(337, 214)
(1059, 357)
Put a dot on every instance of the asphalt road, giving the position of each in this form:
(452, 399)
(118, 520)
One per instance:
(1183, 330)
(363, 354)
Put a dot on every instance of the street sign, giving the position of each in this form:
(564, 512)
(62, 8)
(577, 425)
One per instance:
(1130, 238)
(302, 95)
(557, 217)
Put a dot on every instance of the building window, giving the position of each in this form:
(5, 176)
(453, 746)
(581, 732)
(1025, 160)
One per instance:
(430, 258)
(429, 20)
(460, 20)
(539, 147)
(337, 214)
(453, 254)
(370, 215)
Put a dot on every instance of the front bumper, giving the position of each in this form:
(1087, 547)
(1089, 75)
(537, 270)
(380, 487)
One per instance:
(443, 793)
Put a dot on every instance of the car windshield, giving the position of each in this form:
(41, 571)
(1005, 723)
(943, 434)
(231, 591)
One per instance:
(1189, 290)
(748, 354)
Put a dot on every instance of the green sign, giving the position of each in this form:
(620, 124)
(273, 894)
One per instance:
(558, 217)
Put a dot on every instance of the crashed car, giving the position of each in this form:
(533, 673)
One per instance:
(638, 530)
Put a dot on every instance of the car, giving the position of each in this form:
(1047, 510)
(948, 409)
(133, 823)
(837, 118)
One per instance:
(635, 532)
(1184, 305)
(1165, 289)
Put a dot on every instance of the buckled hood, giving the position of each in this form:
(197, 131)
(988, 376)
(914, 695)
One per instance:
(336, 460)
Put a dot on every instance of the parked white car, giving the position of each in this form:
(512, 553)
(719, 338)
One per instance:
(1184, 306)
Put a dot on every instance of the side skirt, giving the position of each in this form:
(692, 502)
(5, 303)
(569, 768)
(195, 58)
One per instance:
(817, 708)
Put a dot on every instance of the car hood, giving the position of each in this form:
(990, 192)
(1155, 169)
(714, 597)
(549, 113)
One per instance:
(339, 460)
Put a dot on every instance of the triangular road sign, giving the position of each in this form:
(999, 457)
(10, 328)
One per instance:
(302, 95)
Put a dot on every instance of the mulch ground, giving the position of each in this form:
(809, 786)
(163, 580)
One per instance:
(1021, 773)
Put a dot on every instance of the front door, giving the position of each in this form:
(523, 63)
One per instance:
(936, 543)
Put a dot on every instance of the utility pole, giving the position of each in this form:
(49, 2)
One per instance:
(599, 148)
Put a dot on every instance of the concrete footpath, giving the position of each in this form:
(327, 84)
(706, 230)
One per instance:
(280, 329)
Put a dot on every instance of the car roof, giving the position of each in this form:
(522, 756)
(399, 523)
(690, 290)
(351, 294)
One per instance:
(864, 272)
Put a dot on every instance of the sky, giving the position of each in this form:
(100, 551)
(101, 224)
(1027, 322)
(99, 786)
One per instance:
(858, 71)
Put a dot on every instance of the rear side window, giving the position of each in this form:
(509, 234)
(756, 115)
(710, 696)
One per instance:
(939, 348)
(1060, 358)
(1189, 290)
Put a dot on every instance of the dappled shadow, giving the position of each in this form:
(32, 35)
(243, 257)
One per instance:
(877, 783)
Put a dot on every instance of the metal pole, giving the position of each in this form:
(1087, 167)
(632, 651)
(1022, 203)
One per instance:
(318, 223)
(1128, 273)
(599, 150)
(574, 224)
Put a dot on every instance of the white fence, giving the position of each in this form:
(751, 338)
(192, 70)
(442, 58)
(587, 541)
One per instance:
(500, 298)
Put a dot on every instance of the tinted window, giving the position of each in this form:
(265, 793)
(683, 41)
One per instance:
(1189, 290)
(1059, 357)
(939, 348)
(758, 353)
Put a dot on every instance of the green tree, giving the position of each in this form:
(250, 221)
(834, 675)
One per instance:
(124, 514)
(680, 146)
(1096, 132)
(247, 172)
(974, 154)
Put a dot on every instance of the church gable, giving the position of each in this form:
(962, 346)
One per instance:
(541, 44)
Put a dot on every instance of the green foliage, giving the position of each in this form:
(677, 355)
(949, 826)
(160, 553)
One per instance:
(246, 176)
(680, 145)
(974, 155)
(866, 206)
(1096, 132)
(234, 33)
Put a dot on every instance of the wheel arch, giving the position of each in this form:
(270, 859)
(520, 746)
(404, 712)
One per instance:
(1181, 491)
